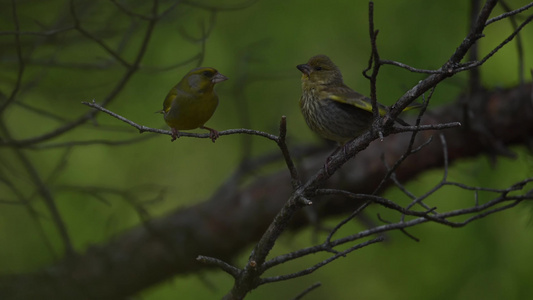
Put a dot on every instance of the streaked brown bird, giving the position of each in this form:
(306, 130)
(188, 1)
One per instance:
(330, 108)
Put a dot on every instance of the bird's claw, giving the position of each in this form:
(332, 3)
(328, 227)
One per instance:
(213, 134)
(175, 134)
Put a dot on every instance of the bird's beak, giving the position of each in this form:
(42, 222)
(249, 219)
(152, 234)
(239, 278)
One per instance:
(218, 78)
(305, 68)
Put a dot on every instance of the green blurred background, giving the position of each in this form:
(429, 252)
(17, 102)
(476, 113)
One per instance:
(257, 45)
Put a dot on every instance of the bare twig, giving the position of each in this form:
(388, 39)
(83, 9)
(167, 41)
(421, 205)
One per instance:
(409, 68)
(46, 195)
(508, 14)
(295, 179)
(475, 64)
(374, 60)
(131, 69)
(519, 45)
(474, 76)
(38, 33)
(87, 34)
(409, 149)
(142, 128)
(129, 12)
(307, 291)
(21, 62)
(322, 263)
(233, 271)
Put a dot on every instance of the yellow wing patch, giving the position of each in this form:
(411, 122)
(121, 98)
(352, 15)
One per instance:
(168, 100)
(358, 101)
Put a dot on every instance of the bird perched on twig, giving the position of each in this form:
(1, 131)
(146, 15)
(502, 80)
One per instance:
(192, 102)
(330, 108)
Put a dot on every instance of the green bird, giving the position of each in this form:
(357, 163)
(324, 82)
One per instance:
(192, 102)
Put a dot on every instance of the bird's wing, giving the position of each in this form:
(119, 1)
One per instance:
(168, 100)
(344, 94)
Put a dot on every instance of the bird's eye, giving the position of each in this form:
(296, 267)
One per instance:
(208, 73)
(318, 68)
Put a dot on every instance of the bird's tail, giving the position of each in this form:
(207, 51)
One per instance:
(409, 107)
(412, 106)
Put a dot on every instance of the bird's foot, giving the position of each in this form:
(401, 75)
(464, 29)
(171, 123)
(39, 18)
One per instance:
(175, 134)
(213, 134)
